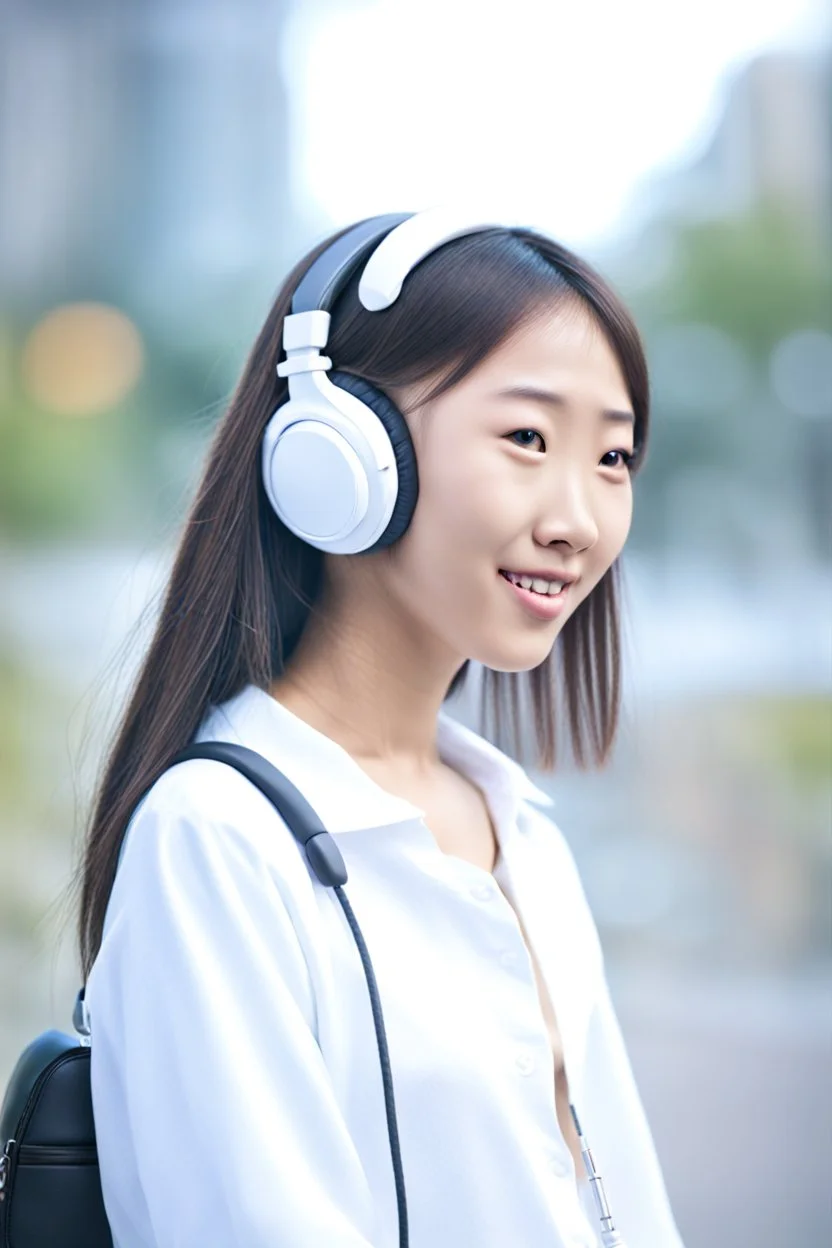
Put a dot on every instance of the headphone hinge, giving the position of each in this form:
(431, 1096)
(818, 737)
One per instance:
(302, 330)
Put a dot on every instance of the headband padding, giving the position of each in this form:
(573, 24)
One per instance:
(396, 426)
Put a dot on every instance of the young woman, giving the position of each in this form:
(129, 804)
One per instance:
(451, 481)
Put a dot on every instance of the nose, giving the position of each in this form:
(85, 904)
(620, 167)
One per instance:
(567, 516)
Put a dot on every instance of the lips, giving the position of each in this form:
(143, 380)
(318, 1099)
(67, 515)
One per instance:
(541, 606)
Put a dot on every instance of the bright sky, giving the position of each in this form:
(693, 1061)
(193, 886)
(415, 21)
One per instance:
(546, 110)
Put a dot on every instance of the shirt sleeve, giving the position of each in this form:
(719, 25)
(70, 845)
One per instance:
(618, 1133)
(205, 1066)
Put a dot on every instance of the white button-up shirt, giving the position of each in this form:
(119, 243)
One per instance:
(235, 1074)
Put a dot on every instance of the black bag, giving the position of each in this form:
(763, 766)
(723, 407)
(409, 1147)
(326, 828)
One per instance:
(50, 1186)
(50, 1189)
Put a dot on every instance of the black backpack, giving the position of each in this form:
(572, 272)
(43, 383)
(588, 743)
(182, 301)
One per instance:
(50, 1190)
(50, 1186)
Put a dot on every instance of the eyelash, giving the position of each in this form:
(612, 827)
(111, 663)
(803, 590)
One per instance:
(626, 456)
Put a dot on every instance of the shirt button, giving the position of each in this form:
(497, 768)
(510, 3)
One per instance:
(524, 1063)
(482, 892)
(508, 958)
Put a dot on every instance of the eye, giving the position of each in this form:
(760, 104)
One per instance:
(528, 436)
(626, 458)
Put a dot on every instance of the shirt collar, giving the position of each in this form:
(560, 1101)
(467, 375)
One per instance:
(344, 796)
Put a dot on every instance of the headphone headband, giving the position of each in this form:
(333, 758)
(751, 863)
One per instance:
(405, 246)
(326, 278)
(396, 242)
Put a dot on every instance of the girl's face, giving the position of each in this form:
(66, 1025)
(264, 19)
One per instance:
(522, 470)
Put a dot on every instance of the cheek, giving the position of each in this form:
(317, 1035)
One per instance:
(463, 505)
(446, 554)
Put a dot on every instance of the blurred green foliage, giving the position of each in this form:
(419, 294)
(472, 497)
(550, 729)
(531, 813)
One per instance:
(28, 701)
(11, 744)
(758, 277)
(794, 735)
(105, 477)
(718, 471)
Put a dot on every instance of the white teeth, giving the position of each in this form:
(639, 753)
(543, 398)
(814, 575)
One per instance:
(536, 584)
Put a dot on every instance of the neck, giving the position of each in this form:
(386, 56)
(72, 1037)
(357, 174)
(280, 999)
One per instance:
(370, 680)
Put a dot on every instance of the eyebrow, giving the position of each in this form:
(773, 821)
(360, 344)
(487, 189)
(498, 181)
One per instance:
(557, 400)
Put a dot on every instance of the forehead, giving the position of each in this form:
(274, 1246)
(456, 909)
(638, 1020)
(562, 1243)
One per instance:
(558, 348)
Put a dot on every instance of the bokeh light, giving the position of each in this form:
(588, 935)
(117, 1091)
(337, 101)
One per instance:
(82, 359)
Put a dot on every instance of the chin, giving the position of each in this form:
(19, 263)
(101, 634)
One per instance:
(518, 658)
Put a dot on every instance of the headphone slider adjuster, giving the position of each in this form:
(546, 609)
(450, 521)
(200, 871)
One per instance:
(303, 362)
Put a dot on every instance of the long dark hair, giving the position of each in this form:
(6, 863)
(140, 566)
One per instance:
(242, 585)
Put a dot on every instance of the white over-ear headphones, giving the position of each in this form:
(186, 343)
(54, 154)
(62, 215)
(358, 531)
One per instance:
(338, 463)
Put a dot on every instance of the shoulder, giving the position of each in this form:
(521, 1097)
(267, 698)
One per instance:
(203, 791)
(203, 809)
(207, 860)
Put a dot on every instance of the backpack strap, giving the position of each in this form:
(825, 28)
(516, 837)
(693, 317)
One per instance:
(305, 825)
(303, 822)
(326, 861)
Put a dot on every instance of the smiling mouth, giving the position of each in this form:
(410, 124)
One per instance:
(535, 585)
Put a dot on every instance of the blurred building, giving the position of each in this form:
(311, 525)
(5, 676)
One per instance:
(772, 142)
(727, 259)
(144, 152)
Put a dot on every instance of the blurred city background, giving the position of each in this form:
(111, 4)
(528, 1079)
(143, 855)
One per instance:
(161, 166)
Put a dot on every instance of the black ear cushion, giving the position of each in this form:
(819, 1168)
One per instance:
(402, 443)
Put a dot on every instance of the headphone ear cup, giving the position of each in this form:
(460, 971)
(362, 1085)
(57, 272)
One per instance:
(405, 455)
